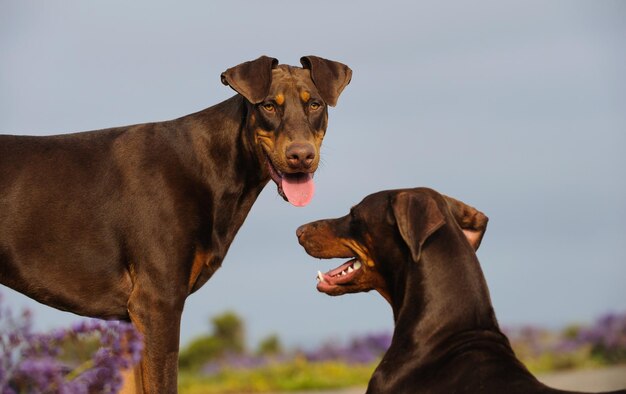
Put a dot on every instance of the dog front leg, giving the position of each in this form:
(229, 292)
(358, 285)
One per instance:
(157, 317)
(131, 380)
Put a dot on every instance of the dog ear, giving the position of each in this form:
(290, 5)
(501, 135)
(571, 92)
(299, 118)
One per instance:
(328, 76)
(251, 79)
(417, 217)
(471, 220)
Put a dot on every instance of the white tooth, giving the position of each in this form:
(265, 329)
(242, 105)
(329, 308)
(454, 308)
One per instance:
(350, 269)
(343, 273)
(356, 265)
(320, 277)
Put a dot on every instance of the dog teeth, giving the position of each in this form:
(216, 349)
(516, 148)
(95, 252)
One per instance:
(351, 268)
(320, 277)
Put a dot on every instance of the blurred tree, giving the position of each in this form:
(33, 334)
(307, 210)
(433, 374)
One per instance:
(228, 328)
(270, 346)
(199, 351)
(228, 337)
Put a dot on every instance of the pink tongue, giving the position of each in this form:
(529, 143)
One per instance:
(298, 188)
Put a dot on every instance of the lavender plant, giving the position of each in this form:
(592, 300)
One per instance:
(600, 343)
(607, 337)
(32, 362)
(603, 342)
(361, 350)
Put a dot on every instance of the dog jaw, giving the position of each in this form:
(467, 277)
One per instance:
(357, 275)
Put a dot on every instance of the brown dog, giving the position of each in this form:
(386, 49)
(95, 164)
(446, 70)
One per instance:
(125, 223)
(412, 247)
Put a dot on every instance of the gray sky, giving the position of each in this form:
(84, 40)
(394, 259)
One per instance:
(517, 108)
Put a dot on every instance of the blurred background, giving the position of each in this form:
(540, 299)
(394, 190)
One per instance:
(516, 108)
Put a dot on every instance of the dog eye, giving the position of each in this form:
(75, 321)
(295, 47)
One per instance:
(269, 107)
(314, 106)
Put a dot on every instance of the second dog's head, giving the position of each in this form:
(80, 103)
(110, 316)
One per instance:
(382, 232)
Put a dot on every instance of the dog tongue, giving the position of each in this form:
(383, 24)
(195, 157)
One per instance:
(298, 188)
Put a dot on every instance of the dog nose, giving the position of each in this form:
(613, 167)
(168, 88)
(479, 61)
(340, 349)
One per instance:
(300, 155)
(300, 230)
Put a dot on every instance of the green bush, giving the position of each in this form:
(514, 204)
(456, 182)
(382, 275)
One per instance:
(199, 351)
(229, 329)
(270, 346)
(227, 337)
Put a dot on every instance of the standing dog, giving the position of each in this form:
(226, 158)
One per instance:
(412, 247)
(125, 223)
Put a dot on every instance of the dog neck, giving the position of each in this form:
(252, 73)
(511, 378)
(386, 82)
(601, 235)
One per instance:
(229, 145)
(444, 321)
(442, 295)
(228, 166)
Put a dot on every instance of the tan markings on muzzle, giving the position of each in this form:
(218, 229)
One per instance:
(359, 250)
(280, 99)
(319, 137)
(265, 138)
(305, 96)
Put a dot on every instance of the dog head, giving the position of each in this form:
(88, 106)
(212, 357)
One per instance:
(381, 232)
(287, 116)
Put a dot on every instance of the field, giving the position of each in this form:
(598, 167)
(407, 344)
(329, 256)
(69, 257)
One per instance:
(575, 355)
(88, 357)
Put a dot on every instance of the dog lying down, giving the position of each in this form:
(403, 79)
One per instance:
(416, 247)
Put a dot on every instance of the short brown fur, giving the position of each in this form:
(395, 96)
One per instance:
(125, 223)
(422, 248)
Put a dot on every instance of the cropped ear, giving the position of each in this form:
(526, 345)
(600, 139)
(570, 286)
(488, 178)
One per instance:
(471, 220)
(251, 79)
(417, 217)
(328, 76)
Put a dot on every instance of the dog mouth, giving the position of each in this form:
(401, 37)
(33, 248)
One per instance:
(338, 280)
(297, 188)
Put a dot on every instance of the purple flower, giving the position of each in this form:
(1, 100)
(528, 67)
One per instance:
(30, 362)
(211, 368)
(361, 350)
(606, 337)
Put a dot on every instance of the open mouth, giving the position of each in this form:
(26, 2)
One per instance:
(344, 275)
(297, 188)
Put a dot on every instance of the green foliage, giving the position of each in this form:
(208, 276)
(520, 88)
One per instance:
(601, 343)
(270, 346)
(228, 328)
(293, 376)
(219, 363)
(74, 352)
(228, 336)
(555, 361)
(200, 351)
